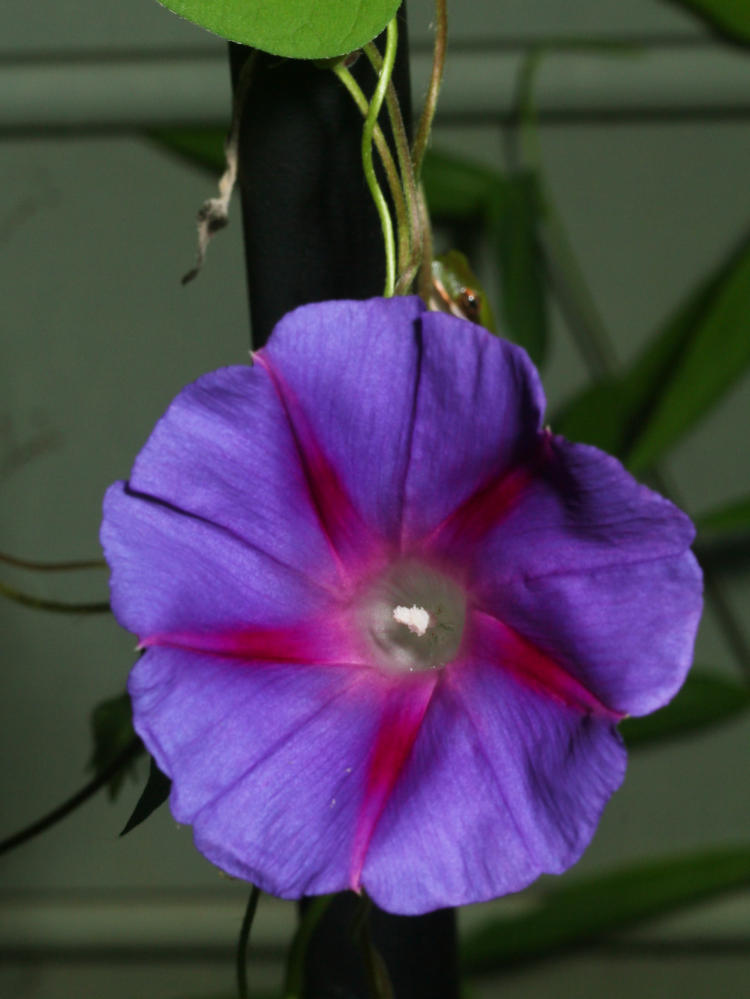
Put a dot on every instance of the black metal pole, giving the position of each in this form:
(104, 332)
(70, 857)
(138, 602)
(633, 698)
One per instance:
(311, 234)
(311, 229)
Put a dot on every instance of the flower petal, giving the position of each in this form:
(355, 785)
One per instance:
(224, 452)
(503, 784)
(492, 641)
(350, 369)
(577, 508)
(176, 573)
(479, 408)
(268, 761)
(593, 569)
(626, 632)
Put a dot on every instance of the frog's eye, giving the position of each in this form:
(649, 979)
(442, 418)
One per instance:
(470, 303)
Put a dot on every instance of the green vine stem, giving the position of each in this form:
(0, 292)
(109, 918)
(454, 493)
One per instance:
(389, 59)
(133, 749)
(33, 566)
(59, 606)
(389, 166)
(436, 79)
(407, 267)
(244, 939)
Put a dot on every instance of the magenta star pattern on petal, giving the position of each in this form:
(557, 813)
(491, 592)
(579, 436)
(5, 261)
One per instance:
(390, 622)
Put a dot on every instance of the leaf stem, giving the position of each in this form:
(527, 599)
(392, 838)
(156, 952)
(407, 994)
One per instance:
(133, 748)
(244, 939)
(436, 79)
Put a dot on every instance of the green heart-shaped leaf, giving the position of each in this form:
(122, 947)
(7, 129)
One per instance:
(300, 29)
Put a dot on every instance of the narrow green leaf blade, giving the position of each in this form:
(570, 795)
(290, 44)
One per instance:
(512, 217)
(112, 732)
(731, 17)
(154, 794)
(299, 29)
(583, 912)
(704, 701)
(685, 368)
(716, 354)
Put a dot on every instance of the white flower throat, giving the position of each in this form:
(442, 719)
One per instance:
(413, 617)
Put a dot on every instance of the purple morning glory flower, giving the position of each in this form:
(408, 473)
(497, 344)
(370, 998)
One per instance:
(390, 622)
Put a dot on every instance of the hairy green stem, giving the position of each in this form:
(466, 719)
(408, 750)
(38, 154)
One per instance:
(436, 78)
(424, 278)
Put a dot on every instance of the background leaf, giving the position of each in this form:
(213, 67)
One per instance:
(580, 913)
(731, 17)
(300, 29)
(112, 732)
(508, 208)
(684, 370)
(154, 794)
(201, 147)
(704, 701)
(457, 189)
(732, 519)
(512, 216)
(724, 537)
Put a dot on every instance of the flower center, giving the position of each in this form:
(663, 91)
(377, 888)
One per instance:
(413, 618)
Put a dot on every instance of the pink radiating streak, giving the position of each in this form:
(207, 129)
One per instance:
(405, 707)
(338, 517)
(486, 507)
(322, 642)
(514, 654)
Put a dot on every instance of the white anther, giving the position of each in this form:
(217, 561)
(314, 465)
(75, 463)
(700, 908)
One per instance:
(416, 619)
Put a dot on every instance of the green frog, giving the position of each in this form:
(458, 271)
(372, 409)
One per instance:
(455, 289)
